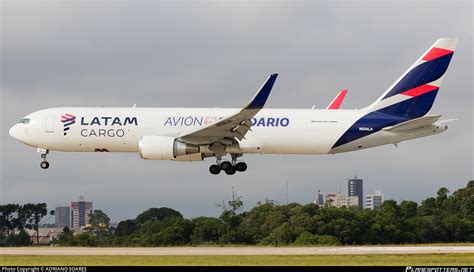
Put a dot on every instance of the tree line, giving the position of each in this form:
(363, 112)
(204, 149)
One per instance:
(440, 219)
(15, 218)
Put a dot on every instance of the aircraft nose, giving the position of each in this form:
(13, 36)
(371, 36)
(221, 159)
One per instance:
(16, 132)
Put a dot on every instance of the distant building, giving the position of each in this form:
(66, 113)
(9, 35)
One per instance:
(80, 212)
(319, 199)
(62, 216)
(45, 235)
(338, 200)
(374, 201)
(355, 187)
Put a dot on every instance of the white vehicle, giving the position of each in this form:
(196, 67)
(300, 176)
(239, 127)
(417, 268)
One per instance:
(193, 134)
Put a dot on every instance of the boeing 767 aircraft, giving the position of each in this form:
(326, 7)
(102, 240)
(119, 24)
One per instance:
(192, 134)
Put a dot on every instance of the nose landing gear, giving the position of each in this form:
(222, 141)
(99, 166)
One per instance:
(44, 164)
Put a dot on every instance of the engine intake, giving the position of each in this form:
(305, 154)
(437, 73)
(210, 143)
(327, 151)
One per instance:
(164, 148)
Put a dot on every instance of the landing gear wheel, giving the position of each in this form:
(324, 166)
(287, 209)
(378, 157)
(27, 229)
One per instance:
(241, 166)
(214, 169)
(230, 171)
(226, 165)
(44, 165)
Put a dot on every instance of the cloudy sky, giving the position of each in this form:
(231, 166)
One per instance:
(207, 54)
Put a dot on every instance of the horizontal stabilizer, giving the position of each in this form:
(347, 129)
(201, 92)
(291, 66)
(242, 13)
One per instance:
(447, 121)
(414, 123)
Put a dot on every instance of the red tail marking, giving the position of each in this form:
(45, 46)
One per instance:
(436, 52)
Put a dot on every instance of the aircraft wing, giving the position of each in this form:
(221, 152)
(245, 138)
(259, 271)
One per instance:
(414, 123)
(337, 101)
(229, 129)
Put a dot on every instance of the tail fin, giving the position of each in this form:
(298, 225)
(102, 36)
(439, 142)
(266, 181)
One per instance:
(413, 94)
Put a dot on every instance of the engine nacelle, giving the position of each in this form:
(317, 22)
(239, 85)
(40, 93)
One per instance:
(164, 148)
(190, 157)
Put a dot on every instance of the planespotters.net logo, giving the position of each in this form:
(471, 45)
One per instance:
(439, 269)
(68, 120)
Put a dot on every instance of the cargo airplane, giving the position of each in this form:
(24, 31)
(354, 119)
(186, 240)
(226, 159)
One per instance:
(193, 134)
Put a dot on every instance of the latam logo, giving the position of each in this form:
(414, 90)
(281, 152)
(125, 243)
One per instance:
(109, 121)
(68, 120)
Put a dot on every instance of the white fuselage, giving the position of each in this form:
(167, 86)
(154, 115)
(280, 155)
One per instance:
(274, 131)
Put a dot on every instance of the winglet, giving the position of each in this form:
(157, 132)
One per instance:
(259, 99)
(336, 103)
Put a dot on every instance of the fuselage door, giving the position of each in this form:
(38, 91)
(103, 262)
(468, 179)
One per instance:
(49, 126)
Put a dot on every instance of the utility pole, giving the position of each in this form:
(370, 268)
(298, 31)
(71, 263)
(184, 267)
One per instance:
(286, 192)
(233, 194)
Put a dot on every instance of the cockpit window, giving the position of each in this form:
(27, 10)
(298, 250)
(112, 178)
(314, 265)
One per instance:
(25, 121)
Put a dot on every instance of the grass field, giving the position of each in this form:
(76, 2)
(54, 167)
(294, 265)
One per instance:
(331, 260)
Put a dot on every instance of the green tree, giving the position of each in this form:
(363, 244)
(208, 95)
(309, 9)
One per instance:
(157, 214)
(301, 216)
(278, 216)
(307, 239)
(30, 216)
(428, 207)
(20, 239)
(408, 209)
(65, 238)
(442, 196)
(85, 240)
(230, 230)
(236, 203)
(253, 221)
(126, 227)
(8, 215)
(388, 218)
(99, 222)
(444, 218)
(285, 234)
(206, 230)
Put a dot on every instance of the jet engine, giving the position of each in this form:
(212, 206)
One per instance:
(164, 148)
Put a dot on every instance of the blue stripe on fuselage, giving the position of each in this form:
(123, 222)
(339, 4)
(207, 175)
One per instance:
(389, 116)
(370, 123)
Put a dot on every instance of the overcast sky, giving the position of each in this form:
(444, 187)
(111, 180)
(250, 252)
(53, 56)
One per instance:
(207, 54)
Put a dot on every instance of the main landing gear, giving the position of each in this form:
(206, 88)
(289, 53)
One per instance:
(230, 168)
(44, 164)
